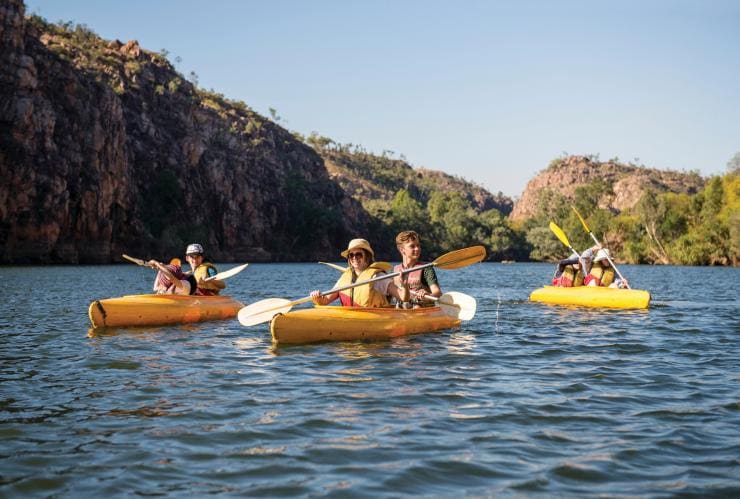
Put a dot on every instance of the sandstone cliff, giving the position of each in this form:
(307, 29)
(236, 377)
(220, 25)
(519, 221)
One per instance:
(628, 183)
(105, 149)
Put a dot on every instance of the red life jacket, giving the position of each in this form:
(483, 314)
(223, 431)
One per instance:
(414, 278)
(569, 278)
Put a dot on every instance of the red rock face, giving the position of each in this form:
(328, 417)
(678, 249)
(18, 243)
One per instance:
(628, 183)
(104, 148)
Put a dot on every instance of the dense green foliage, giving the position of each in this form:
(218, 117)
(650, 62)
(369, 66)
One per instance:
(401, 198)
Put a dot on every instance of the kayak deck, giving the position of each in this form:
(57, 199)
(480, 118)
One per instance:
(332, 323)
(587, 296)
(160, 310)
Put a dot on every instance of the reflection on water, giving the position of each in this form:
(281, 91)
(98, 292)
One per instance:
(525, 399)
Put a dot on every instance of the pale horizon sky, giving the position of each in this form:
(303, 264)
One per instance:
(491, 91)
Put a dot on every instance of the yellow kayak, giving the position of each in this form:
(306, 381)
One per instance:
(587, 296)
(159, 310)
(348, 323)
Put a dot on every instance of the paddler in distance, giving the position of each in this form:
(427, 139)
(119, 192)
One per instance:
(600, 272)
(362, 266)
(422, 282)
(201, 269)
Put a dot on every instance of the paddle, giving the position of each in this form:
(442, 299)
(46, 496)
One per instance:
(563, 238)
(611, 262)
(334, 266)
(220, 276)
(265, 310)
(456, 304)
(227, 273)
(137, 261)
(384, 265)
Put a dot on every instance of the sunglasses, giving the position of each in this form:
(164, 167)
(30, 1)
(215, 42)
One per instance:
(356, 255)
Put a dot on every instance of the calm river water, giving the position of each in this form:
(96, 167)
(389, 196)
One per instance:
(524, 400)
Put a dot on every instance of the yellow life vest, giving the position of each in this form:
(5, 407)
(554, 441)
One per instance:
(604, 274)
(201, 273)
(365, 295)
(570, 277)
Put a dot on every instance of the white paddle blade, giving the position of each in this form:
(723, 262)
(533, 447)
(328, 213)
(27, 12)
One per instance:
(263, 311)
(227, 273)
(458, 304)
(137, 261)
(334, 266)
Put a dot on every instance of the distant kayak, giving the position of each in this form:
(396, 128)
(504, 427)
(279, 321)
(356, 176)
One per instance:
(160, 310)
(351, 323)
(587, 296)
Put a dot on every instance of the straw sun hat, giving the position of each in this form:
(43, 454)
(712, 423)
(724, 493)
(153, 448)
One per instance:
(358, 243)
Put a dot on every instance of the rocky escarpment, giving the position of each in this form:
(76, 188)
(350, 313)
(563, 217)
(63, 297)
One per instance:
(105, 149)
(628, 183)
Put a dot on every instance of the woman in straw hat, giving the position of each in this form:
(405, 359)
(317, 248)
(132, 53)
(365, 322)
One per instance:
(362, 266)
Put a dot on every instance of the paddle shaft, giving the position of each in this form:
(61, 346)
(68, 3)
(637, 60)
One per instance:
(370, 281)
(611, 262)
(474, 254)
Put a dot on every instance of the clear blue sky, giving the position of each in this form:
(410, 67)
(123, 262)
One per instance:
(487, 90)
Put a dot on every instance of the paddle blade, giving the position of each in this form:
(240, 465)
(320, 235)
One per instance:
(385, 266)
(461, 258)
(458, 305)
(227, 273)
(560, 234)
(334, 266)
(137, 261)
(263, 311)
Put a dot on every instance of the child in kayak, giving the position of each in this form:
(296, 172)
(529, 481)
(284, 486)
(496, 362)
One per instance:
(171, 280)
(201, 269)
(422, 282)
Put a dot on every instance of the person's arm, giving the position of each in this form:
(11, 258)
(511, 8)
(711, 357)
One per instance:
(164, 270)
(317, 299)
(619, 283)
(429, 280)
(213, 285)
(587, 258)
(398, 289)
(323, 300)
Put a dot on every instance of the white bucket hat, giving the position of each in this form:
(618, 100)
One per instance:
(602, 254)
(358, 243)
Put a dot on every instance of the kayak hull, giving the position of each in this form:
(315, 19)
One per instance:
(352, 324)
(587, 296)
(160, 310)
